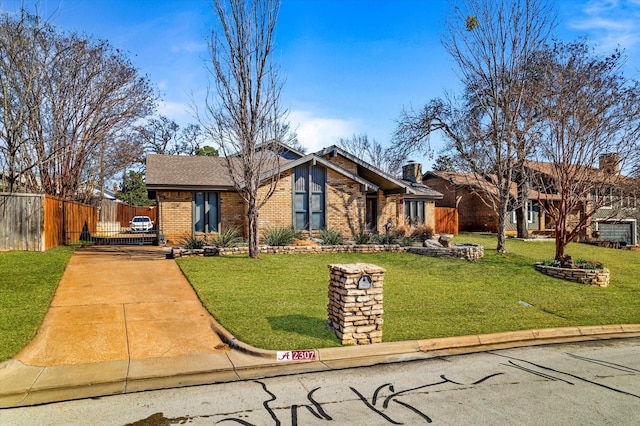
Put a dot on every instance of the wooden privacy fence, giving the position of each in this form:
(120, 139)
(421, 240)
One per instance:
(38, 222)
(446, 220)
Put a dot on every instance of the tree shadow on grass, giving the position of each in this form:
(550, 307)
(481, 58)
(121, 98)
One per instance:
(301, 324)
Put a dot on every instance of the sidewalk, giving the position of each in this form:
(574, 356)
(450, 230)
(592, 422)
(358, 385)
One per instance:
(125, 319)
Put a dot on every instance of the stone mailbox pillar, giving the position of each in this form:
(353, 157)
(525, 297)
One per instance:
(355, 303)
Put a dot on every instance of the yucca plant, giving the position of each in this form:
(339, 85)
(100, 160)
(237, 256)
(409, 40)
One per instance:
(281, 235)
(192, 242)
(228, 238)
(331, 237)
(364, 237)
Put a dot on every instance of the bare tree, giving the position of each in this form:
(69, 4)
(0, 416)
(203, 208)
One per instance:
(244, 115)
(591, 114)
(66, 101)
(491, 41)
(373, 153)
(21, 74)
(159, 135)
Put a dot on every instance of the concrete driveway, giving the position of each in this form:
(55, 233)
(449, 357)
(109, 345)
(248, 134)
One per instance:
(121, 303)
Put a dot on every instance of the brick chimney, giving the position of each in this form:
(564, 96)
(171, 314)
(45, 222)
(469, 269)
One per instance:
(609, 163)
(412, 172)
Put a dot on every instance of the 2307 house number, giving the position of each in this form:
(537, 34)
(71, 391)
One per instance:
(296, 355)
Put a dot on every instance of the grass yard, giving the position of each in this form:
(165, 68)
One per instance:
(280, 301)
(28, 281)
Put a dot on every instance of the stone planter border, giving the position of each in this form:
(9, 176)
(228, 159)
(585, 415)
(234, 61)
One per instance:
(594, 277)
(469, 252)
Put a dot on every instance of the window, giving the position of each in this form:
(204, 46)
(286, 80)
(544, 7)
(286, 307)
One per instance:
(531, 209)
(205, 212)
(414, 211)
(309, 197)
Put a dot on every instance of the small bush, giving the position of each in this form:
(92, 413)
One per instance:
(228, 238)
(422, 233)
(383, 239)
(191, 242)
(551, 262)
(364, 237)
(330, 237)
(400, 231)
(587, 264)
(281, 236)
(404, 241)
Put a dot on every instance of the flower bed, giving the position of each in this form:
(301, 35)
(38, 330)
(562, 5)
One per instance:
(595, 277)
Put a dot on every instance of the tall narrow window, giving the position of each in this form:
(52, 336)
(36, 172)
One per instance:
(205, 212)
(309, 197)
(414, 210)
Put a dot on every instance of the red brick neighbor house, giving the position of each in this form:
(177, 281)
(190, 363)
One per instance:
(329, 189)
(472, 196)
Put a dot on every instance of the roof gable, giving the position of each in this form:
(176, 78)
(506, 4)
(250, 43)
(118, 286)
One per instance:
(386, 182)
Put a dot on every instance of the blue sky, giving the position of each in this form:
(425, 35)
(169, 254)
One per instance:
(350, 65)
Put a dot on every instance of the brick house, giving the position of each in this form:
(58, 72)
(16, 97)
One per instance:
(329, 189)
(473, 197)
(475, 200)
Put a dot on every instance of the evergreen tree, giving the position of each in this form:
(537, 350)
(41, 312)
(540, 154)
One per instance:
(134, 189)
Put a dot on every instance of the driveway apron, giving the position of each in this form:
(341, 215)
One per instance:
(121, 303)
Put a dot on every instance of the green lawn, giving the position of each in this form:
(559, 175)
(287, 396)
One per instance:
(28, 281)
(280, 301)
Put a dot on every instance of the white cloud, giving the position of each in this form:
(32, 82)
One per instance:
(315, 133)
(176, 111)
(189, 47)
(611, 23)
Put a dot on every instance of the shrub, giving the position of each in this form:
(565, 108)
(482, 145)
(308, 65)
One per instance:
(330, 237)
(191, 242)
(384, 239)
(422, 233)
(404, 241)
(587, 264)
(364, 237)
(229, 238)
(578, 263)
(400, 231)
(281, 236)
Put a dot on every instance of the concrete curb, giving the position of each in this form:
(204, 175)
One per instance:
(24, 385)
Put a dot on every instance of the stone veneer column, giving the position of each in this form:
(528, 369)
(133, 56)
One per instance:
(355, 303)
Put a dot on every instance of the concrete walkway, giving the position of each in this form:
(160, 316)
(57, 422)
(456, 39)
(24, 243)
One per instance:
(125, 319)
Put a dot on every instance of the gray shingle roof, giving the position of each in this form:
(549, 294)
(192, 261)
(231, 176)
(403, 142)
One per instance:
(177, 171)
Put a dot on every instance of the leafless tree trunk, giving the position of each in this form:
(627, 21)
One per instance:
(592, 127)
(244, 114)
(491, 42)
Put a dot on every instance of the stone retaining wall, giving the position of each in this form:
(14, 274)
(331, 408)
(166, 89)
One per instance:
(596, 277)
(462, 251)
(355, 314)
(229, 251)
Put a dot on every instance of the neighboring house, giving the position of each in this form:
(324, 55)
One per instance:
(618, 217)
(328, 189)
(475, 200)
(473, 196)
